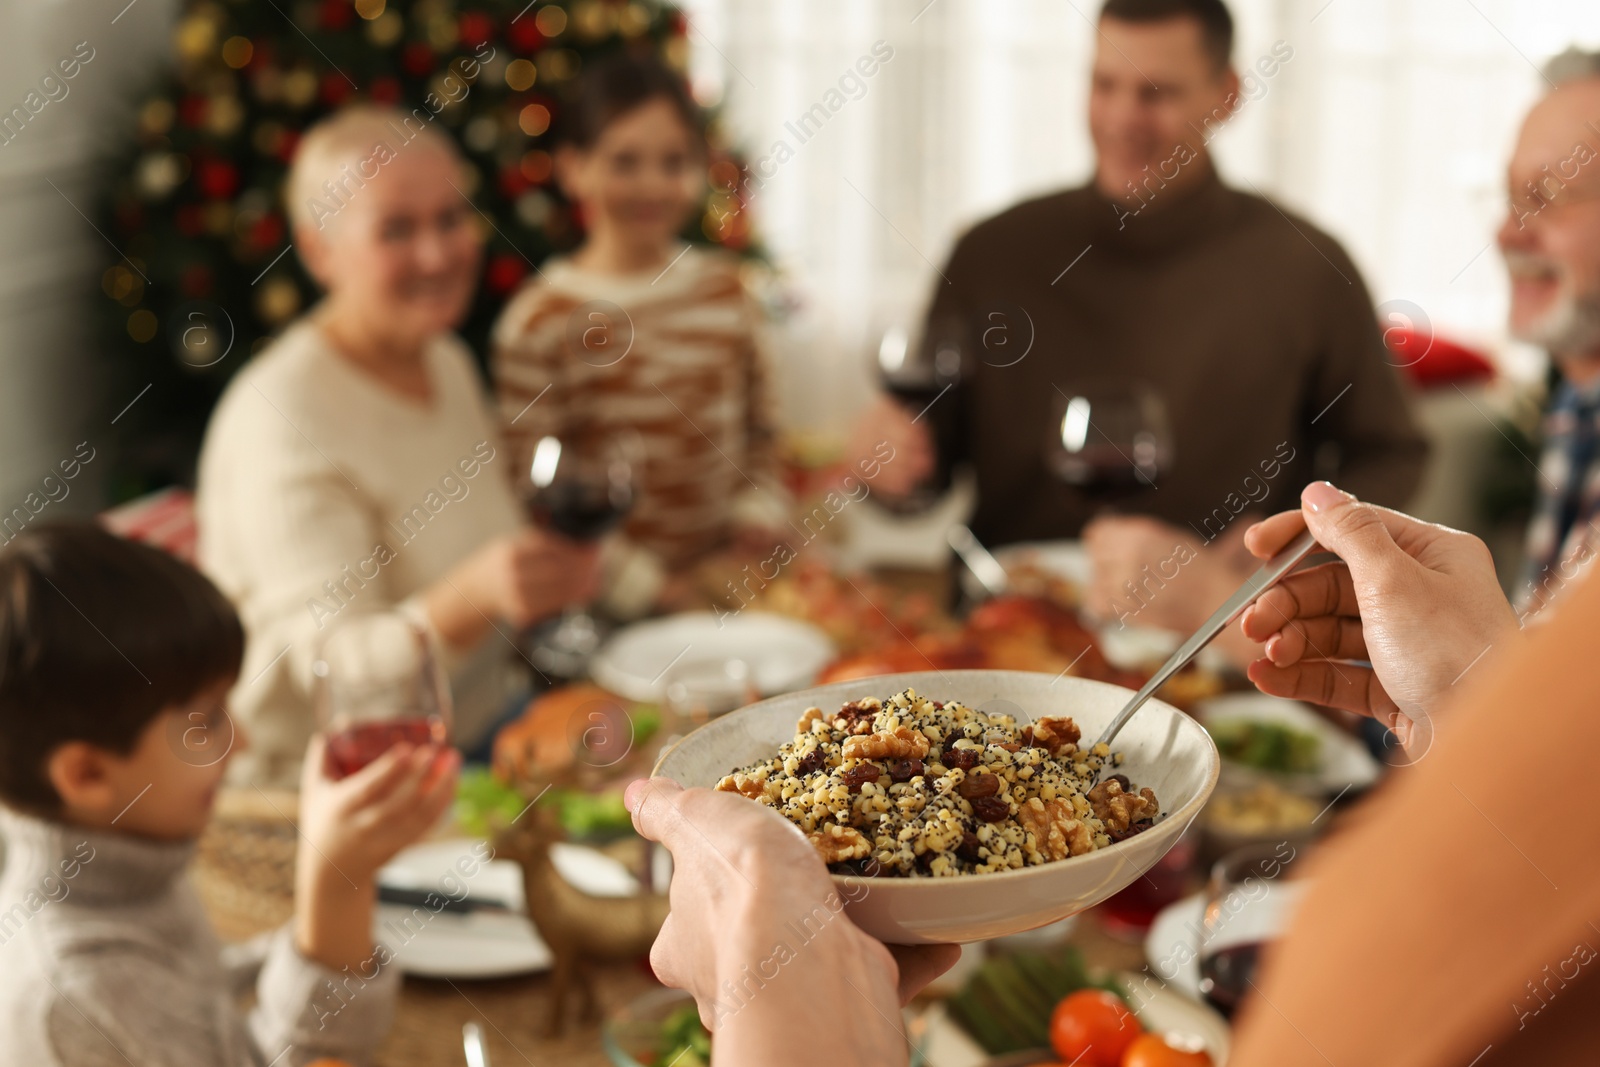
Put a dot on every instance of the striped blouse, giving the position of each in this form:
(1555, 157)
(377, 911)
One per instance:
(675, 357)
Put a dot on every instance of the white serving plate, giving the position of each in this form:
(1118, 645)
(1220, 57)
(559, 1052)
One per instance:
(483, 943)
(782, 653)
(1346, 764)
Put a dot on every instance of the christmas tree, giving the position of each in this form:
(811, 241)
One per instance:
(208, 275)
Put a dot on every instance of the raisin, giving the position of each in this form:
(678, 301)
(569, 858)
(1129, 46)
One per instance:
(968, 849)
(811, 761)
(859, 775)
(990, 809)
(903, 770)
(925, 862)
(1135, 828)
(979, 785)
(965, 758)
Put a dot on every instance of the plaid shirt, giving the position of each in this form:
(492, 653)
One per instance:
(1562, 537)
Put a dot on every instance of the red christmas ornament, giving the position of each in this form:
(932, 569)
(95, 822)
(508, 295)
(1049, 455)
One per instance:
(192, 110)
(474, 28)
(335, 90)
(191, 220)
(512, 182)
(196, 280)
(336, 14)
(267, 232)
(504, 273)
(679, 24)
(417, 59)
(385, 90)
(524, 35)
(287, 144)
(217, 179)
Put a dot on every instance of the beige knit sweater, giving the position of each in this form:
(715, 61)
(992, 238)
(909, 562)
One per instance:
(322, 492)
(106, 960)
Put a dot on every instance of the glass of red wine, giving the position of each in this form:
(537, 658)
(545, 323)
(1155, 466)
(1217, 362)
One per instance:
(917, 375)
(580, 485)
(1249, 902)
(1110, 439)
(377, 683)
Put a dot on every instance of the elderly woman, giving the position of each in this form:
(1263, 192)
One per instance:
(355, 464)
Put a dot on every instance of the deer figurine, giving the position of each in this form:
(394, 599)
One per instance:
(581, 929)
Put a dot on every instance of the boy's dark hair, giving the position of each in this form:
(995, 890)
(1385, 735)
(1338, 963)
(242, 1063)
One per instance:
(98, 635)
(1216, 24)
(611, 87)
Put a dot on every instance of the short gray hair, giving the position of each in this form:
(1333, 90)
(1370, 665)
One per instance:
(1572, 65)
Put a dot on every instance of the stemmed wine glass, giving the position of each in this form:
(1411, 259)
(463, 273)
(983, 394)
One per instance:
(377, 682)
(917, 375)
(580, 485)
(1249, 902)
(1110, 439)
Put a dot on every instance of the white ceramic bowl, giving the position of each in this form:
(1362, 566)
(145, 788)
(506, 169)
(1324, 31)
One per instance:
(1166, 750)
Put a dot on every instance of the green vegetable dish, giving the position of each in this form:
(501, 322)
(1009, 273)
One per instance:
(1267, 746)
(684, 1041)
(1007, 1002)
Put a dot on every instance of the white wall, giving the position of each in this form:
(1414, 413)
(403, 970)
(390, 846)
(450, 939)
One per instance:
(50, 393)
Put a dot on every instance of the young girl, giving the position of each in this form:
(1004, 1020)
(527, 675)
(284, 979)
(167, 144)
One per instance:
(636, 332)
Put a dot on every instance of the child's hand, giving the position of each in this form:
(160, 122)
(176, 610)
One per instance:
(356, 824)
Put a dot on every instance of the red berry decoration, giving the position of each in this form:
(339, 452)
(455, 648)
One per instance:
(417, 59)
(217, 179)
(504, 273)
(385, 90)
(475, 28)
(524, 35)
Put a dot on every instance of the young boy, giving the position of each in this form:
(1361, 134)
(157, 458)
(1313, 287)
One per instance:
(114, 662)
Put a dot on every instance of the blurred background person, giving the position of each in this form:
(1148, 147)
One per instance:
(1551, 243)
(636, 334)
(355, 465)
(1156, 275)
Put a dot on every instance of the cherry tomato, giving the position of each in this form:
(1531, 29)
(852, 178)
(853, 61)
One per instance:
(1092, 1028)
(1148, 1050)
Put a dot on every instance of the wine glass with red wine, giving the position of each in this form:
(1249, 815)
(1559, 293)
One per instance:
(377, 683)
(580, 485)
(1249, 902)
(917, 375)
(1109, 439)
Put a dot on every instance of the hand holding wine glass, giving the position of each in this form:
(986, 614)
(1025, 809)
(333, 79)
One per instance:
(580, 486)
(1110, 439)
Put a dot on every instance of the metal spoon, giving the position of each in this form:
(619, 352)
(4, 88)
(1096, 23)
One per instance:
(1270, 574)
(477, 1049)
(979, 560)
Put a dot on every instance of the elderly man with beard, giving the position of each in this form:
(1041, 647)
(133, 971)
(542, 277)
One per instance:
(1551, 243)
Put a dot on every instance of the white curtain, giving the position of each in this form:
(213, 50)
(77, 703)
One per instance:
(1389, 128)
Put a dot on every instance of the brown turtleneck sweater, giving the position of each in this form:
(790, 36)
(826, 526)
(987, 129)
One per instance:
(1252, 325)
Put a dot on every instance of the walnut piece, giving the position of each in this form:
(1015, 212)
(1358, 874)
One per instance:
(835, 844)
(903, 743)
(753, 786)
(1117, 809)
(1056, 831)
(1055, 733)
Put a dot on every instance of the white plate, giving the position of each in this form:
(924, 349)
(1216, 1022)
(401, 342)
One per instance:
(479, 944)
(1345, 761)
(1173, 944)
(944, 1044)
(783, 653)
(1129, 647)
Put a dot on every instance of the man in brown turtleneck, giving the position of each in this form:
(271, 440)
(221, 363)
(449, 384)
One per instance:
(1252, 326)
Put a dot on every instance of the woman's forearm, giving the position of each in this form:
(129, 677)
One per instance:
(459, 621)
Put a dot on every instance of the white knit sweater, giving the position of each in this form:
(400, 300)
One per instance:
(106, 960)
(323, 492)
